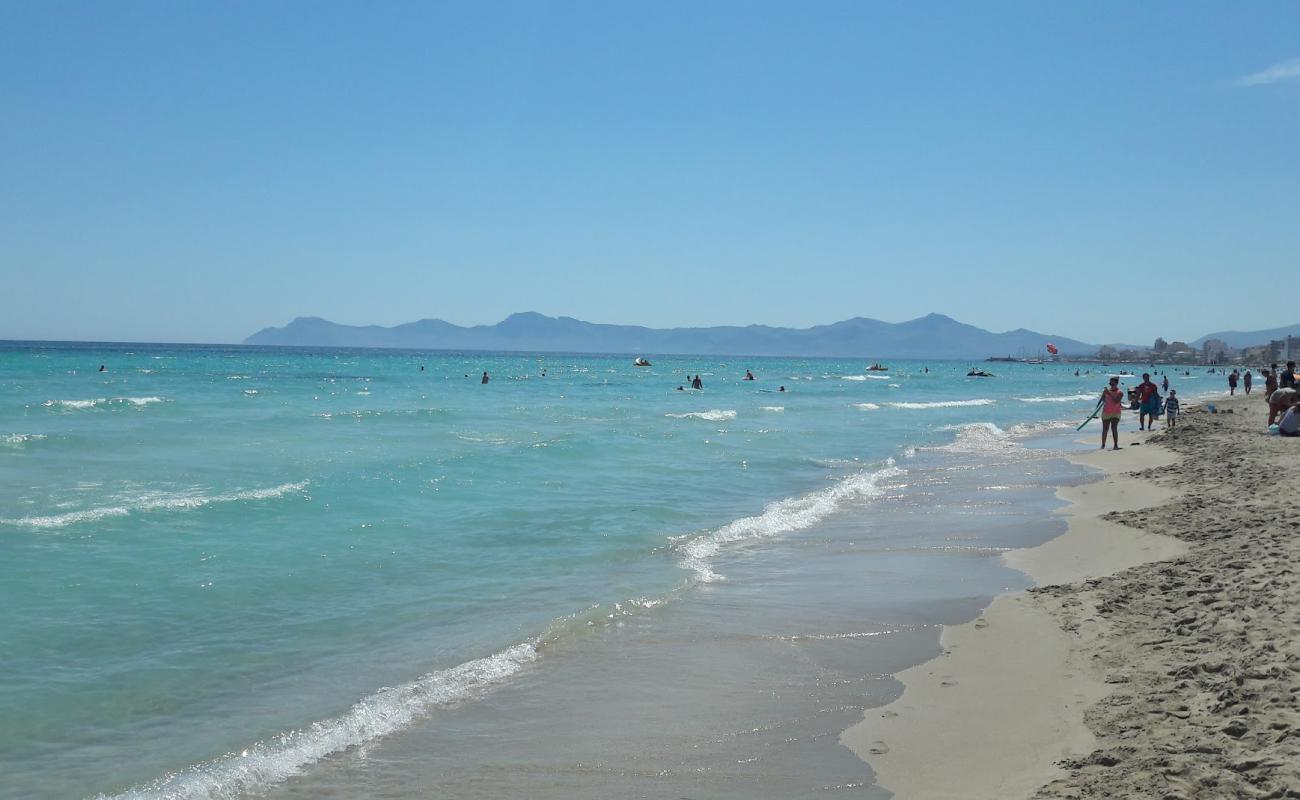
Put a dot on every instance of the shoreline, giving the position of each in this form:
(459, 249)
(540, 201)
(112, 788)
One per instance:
(1004, 703)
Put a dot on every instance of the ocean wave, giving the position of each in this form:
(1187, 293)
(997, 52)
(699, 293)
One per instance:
(713, 415)
(866, 406)
(773, 408)
(944, 404)
(1023, 429)
(865, 377)
(368, 413)
(102, 402)
(20, 439)
(162, 502)
(978, 437)
(1066, 398)
(782, 516)
(380, 714)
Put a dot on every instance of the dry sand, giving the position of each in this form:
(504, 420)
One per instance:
(1167, 620)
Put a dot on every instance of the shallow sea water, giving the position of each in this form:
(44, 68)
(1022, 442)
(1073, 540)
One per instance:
(291, 573)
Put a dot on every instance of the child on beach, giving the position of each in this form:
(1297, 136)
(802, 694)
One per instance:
(1171, 408)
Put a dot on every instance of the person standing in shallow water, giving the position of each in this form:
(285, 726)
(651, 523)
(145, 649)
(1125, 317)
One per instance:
(1112, 406)
(1245, 382)
(485, 378)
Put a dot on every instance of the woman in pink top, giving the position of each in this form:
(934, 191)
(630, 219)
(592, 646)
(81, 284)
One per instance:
(1112, 405)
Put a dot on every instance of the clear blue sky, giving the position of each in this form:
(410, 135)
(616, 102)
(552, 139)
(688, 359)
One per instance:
(195, 172)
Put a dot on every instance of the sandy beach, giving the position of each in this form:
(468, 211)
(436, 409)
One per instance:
(1155, 659)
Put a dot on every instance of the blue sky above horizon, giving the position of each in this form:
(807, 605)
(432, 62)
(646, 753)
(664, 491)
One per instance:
(195, 172)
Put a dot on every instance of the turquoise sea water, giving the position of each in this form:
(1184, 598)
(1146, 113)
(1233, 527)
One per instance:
(235, 571)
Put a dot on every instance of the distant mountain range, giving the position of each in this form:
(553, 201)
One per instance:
(932, 336)
(1249, 338)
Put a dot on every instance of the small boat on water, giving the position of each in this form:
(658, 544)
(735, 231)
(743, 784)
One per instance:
(640, 362)
(979, 373)
(876, 367)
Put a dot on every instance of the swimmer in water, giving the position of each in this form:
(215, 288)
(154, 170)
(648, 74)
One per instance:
(485, 378)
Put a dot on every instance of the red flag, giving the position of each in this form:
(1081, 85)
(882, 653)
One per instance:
(1051, 348)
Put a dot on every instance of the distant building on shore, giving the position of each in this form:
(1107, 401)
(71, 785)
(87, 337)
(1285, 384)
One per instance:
(1214, 351)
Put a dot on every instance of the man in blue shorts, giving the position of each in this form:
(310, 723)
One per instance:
(1148, 396)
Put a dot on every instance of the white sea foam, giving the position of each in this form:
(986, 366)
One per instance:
(865, 377)
(154, 502)
(774, 408)
(782, 516)
(1033, 428)
(20, 439)
(102, 402)
(943, 404)
(380, 714)
(1065, 398)
(713, 415)
(978, 437)
(866, 406)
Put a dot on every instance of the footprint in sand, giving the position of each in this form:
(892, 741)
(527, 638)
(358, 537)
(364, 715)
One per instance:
(878, 748)
(949, 682)
(981, 623)
(889, 714)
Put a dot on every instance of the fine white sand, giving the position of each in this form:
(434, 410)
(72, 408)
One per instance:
(995, 714)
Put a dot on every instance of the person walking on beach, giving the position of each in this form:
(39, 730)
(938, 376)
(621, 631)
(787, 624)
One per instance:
(1112, 405)
(1171, 409)
(1232, 383)
(1148, 398)
(1245, 382)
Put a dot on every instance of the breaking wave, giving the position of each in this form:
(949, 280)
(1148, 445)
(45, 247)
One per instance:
(943, 404)
(156, 502)
(1068, 398)
(783, 516)
(382, 713)
(714, 415)
(102, 402)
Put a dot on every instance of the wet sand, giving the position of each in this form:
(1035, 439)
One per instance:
(1157, 659)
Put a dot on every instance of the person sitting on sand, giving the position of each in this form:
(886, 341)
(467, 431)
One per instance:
(1171, 408)
(1289, 425)
(1148, 398)
(1112, 405)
